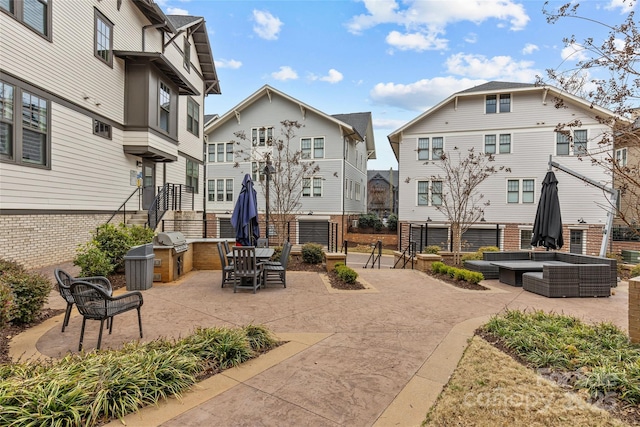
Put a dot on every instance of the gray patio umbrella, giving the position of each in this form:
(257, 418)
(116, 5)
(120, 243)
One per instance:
(547, 227)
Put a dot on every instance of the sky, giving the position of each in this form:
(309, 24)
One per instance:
(395, 59)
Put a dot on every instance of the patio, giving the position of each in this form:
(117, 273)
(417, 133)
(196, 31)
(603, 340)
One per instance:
(374, 358)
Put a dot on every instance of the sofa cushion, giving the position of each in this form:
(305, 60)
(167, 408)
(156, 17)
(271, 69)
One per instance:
(506, 256)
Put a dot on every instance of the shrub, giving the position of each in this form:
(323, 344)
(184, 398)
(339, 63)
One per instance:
(635, 271)
(139, 235)
(312, 253)
(6, 304)
(437, 267)
(9, 266)
(392, 222)
(366, 220)
(477, 255)
(30, 293)
(457, 273)
(346, 274)
(432, 249)
(93, 261)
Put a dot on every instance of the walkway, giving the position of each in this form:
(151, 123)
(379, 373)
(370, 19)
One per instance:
(355, 358)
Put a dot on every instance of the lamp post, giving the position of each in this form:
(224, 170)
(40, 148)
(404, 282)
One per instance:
(268, 170)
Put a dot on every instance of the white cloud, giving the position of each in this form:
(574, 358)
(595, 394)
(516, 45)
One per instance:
(624, 6)
(416, 41)
(495, 68)
(334, 76)
(177, 11)
(430, 18)
(285, 73)
(529, 48)
(388, 123)
(228, 63)
(471, 38)
(266, 25)
(574, 52)
(420, 95)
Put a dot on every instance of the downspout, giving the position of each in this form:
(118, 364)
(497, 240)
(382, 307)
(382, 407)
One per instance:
(151, 26)
(204, 185)
(344, 179)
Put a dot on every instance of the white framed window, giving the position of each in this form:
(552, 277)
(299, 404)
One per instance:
(564, 142)
(312, 148)
(103, 38)
(220, 152)
(437, 147)
(423, 148)
(318, 148)
(261, 136)
(429, 193)
(312, 187)
(351, 189)
(500, 142)
(257, 171)
(186, 56)
(520, 190)
(525, 239)
(101, 129)
(498, 103)
(621, 157)
(358, 191)
(220, 190)
(193, 173)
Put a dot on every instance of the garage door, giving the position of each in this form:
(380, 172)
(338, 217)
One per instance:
(313, 231)
(226, 229)
(474, 238)
(430, 236)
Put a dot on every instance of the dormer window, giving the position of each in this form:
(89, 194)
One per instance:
(498, 103)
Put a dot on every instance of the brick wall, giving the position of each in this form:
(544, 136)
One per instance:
(42, 240)
(634, 310)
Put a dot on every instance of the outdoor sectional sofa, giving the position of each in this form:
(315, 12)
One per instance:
(565, 275)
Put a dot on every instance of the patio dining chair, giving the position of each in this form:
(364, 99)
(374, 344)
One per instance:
(227, 270)
(247, 270)
(275, 272)
(95, 304)
(65, 280)
(227, 251)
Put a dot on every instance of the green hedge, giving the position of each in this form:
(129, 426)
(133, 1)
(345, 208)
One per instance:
(312, 253)
(29, 294)
(346, 274)
(457, 273)
(477, 255)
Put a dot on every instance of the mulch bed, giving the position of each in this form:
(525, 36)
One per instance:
(458, 283)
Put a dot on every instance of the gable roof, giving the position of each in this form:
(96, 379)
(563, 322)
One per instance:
(391, 176)
(494, 87)
(269, 91)
(154, 14)
(361, 122)
(195, 27)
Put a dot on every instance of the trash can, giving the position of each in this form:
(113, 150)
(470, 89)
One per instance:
(138, 267)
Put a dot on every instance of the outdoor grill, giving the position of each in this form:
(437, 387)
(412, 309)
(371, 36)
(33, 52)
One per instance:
(174, 239)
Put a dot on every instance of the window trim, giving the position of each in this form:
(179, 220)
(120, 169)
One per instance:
(17, 128)
(571, 142)
(217, 151)
(186, 54)
(212, 190)
(620, 158)
(100, 17)
(498, 103)
(312, 180)
(528, 246)
(191, 119)
(429, 192)
(310, 153)
(521, 191)
(162, 84)
(18, 15)
(268, 135)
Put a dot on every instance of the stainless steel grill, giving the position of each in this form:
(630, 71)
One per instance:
(174, 239)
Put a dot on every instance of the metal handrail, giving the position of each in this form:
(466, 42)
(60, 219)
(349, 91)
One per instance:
(411, 247)
(373, 257)
(123, 206)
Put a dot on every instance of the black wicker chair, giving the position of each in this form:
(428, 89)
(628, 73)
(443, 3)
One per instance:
(65, 280)
(275, 272)
(227, 270)
(95, 304)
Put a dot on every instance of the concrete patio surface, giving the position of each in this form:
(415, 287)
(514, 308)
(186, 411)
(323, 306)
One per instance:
(352, 358)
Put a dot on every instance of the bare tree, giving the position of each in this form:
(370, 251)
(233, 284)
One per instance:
(461, 200)
(609, 77)
(290, 173)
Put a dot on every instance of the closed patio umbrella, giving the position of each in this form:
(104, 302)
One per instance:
(245, 215)
(547, 227)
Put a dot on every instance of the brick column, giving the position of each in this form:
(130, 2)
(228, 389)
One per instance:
(634, 309)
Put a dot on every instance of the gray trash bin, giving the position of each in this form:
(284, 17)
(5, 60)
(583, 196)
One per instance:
(138, 267)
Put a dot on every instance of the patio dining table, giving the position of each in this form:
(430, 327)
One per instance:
(262, 254)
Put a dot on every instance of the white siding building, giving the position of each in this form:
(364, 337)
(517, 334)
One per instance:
(96, 98)
(516, 123)
(340, 146)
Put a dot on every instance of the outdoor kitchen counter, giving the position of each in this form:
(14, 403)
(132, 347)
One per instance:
(202, 254)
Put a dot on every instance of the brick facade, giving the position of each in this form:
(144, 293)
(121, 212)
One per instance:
(46, 239)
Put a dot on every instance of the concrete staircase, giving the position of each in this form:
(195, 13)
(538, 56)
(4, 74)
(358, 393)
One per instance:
(138, 218)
